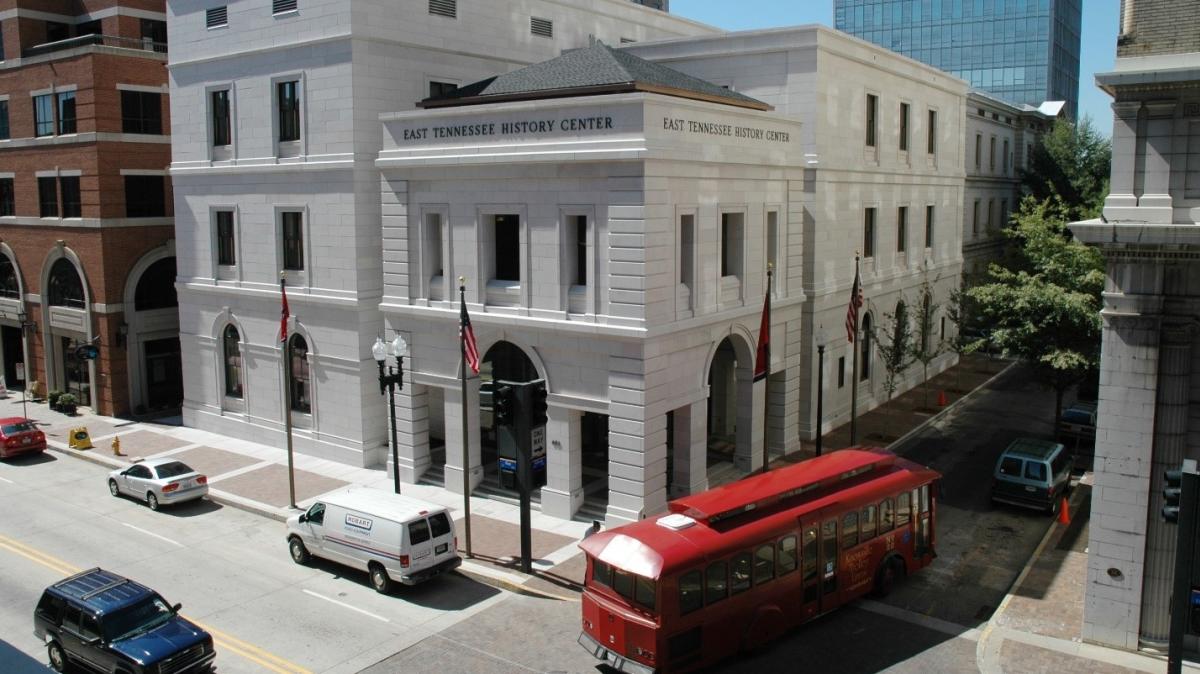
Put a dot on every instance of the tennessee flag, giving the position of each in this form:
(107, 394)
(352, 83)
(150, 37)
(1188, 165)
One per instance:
(284, 314)
(762, 363)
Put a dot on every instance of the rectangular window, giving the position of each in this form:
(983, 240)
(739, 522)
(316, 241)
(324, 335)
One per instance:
(764, 563)
(156, 32)
(978, 150)
(739, 573)
(43, 115)
(809, 554)
(226, 246)
(1004, 213)
(903, 510)
(433, 245)
(541, 27)
(292, 228)
(71, 205)
(216, 17)
(691, 592)
(219, 111)
(904, 127)
(929, 226)
(1004, 159)
(866, 524)
(440, 89)
(991, 209)
(66, 112)
(4, 133)
(841, 372)
(281, 6)
(686, 249)
(850, 530)
(931, 147)
(508, 248)
(731, 244)
(786, 555)
(48, 197)
(145, 197)
(447, 8)
(887, 516)
(992, 154)
(869, 232)
(8, 199)
(141, 112)
(579, 244)
(716, 582)
(975, 218)
(902, 229)
(872, 112)
(288, 100)
(773, 243)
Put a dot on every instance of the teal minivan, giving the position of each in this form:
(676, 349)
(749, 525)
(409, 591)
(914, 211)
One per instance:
(1032, 474)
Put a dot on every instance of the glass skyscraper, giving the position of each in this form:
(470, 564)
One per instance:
(1022, 51)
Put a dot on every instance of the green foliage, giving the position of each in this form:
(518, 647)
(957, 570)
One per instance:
(1045, 307)
(961, 311)
(895, 347)
(67, 399)
(53, 396)
(927, 346)
(1070, 163)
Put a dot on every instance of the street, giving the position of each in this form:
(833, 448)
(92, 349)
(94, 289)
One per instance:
(231, 571)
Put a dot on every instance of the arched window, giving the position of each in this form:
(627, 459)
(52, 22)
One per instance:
(66, 288)
(301, 384)
(233, 362)
(864, 359)
(8, 278)
(156, 288)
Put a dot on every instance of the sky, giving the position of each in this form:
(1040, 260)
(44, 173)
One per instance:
(1097, 49)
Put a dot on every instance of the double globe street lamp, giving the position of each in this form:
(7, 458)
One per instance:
(390, 381)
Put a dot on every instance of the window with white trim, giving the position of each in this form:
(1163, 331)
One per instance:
(291, 224)
(226, 238)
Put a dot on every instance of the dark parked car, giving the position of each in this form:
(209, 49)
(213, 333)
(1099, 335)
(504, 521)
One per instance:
(1033, 474)
(109, 623)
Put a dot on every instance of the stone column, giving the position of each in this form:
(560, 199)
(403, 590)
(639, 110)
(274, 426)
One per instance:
(563, 493)
(637, 447)
(691, 449)
(1155, 204)
(751, 416)
(412, 432)
(783, 411)
(1121, 196)
(454, 439)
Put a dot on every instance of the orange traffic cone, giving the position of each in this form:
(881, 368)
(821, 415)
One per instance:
(941, 398)
(1064, 514)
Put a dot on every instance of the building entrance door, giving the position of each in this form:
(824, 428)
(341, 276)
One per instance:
(14, 357)
(76, 378)
(164, 372)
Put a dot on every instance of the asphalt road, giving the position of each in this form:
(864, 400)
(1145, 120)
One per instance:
(230, 569)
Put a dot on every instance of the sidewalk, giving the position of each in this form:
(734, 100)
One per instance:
(1036, 629)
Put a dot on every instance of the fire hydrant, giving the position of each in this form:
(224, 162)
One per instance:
(116, 446)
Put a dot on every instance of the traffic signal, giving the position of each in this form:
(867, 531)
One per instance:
(537, 404)
(1171, 494)
(504, 405)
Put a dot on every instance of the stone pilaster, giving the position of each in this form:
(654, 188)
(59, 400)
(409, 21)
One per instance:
(563, 493)
(412, 431)
(691, 449)
(454, 438)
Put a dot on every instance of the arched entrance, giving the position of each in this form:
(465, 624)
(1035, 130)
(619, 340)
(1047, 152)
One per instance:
(730, 411)
(504, 361)
(152, 334)
(12, 328)
(68, 325)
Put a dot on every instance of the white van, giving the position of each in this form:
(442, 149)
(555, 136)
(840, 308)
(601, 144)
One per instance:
(390, 536)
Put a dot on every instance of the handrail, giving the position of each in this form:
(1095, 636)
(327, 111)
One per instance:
(140, 44)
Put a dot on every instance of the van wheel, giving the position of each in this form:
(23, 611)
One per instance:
(152, 501)
(58, 660)
(113, 488)
(379, 578)
(299, 552)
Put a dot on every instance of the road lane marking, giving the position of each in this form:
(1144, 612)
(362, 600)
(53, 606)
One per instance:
(6, 480)
(225, 641)
(345, 605)
(151, 533)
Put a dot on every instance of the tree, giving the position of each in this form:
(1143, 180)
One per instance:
(968, 336)
(928, 344)
(1045, 308)
(895, 347)
(1071, 163)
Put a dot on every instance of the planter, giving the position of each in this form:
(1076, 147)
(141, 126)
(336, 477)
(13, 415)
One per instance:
(68, 409)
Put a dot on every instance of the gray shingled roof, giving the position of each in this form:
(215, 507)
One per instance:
(594, 70)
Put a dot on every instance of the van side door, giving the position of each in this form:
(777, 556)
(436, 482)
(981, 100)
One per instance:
(420, 544)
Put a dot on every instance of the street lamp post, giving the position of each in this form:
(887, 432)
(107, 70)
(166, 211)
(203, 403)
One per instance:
(390, 381)
(821, 339)
(23, 318)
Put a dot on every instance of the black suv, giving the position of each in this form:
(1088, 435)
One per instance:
(109, 623)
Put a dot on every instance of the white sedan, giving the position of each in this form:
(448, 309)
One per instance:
(158, 482)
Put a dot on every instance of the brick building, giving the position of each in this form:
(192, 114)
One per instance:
(86, 226)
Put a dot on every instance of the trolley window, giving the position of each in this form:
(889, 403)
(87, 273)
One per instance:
(739, 573)
(786, 555)
(903, 510)
(716, 582)
(866, 525)
(810, 554)
(602, 574)
(644, 592)
(691, 592)
(887, 516)
(850, 530)
(764, 563)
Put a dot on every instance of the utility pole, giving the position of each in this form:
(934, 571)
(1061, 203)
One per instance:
(1182, 496)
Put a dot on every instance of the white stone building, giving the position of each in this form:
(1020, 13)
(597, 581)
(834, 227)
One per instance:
(1150, 363)
(615, 236)
(275, 125)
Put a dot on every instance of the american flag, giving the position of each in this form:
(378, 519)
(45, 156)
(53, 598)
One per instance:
(856, 301)
(284, 314)
(467, 333)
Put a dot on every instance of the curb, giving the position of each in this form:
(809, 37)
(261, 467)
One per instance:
(895, 445)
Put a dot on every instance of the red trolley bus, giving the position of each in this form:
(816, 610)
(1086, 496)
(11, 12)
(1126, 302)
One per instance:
(735, 567)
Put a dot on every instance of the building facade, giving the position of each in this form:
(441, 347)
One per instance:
(1149, 369)
(86, 235)
(276, 129)
(1021, 52)
(617, 246)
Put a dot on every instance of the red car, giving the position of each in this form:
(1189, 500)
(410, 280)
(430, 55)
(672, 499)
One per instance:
(19, 436)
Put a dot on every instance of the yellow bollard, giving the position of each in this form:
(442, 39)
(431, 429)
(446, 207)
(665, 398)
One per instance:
(80, 439)
(116, 446)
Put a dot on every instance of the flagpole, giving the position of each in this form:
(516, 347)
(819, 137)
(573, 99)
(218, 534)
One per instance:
(767, 378)
(466, 453)
(854, 347)
(287, 394)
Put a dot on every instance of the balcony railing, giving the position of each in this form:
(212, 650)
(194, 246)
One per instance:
(142, 44)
